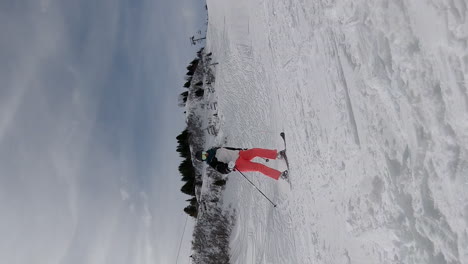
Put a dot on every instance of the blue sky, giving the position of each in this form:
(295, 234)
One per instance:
(88, 120)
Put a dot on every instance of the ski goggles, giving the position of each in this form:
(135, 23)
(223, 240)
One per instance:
(204, 155)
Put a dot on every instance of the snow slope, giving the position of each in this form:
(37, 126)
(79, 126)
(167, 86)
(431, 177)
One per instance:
(373, 98)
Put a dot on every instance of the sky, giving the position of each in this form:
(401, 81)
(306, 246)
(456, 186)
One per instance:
(88, 120)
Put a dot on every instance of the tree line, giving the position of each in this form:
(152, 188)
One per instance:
(187, 171)
(214, 224)
(189, 77)
(187, 138)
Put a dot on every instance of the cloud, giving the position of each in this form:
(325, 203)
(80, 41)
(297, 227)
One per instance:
(124, 194)
(49, 104)
(86, 86)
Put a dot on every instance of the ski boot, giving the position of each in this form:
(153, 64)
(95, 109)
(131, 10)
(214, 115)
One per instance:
(281, 154)
(285, 175)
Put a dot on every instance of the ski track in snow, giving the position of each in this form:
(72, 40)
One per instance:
(373, 98)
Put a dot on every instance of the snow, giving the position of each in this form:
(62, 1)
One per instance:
(373, 98)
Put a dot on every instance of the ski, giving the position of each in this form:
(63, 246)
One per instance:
(285, 156)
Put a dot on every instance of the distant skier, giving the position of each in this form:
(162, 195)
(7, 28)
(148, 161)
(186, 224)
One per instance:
(225, 160)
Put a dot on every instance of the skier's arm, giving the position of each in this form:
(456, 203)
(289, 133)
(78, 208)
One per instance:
(223, 168)
(220, 166)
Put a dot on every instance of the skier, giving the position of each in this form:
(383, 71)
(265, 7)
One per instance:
(226, 159)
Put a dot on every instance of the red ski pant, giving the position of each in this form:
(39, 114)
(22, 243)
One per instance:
(244, 163)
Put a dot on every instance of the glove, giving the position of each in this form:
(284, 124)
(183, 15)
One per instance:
(231, 165)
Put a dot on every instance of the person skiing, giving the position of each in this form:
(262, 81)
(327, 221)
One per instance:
(226, 159)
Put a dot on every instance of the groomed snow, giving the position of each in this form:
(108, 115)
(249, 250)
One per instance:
(373, 98)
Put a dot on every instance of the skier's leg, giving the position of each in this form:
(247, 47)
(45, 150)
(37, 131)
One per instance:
(258, 152)
(246, 165)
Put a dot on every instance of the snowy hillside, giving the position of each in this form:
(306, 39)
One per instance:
(373, 98)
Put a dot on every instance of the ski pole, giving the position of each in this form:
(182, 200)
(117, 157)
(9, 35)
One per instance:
(274, 205)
